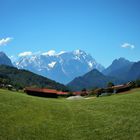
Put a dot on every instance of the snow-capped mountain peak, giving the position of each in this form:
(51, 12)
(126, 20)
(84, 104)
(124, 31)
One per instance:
(78, 52)
(62, 67)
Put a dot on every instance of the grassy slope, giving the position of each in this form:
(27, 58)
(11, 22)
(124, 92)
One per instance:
(26, 117)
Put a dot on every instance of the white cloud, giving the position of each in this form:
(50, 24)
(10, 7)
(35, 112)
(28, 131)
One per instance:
(128, 45)
(5, 41)
(50, 53)
(25, 54)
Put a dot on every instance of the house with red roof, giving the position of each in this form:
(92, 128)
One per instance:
(45, 92)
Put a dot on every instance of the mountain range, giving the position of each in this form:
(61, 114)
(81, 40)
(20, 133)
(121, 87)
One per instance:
(119, 72)
(61, 67)
(77, 68)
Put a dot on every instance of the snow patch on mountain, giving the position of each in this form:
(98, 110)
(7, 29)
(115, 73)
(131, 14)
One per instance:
(90, 64)
(52, 64)
(61, 52)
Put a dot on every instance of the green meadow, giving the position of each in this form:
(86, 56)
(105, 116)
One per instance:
(24, 117)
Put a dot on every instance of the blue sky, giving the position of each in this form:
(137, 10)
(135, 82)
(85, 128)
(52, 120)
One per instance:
(107, 29)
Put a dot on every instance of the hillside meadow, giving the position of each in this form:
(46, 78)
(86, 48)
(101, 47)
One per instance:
(24, 117)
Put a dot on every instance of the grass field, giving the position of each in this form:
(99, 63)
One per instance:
(24, 117)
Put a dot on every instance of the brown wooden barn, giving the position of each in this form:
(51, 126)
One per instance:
(122, 88)
(44, 92)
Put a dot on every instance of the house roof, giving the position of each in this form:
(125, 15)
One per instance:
(118, 86)
(77, 93)
(62, 93)
(121, 86)
(46, 90)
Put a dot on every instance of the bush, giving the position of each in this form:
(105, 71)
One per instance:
(98, 91)
(110, 84)
(83, 92)
(109, 90)
(137, 83)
